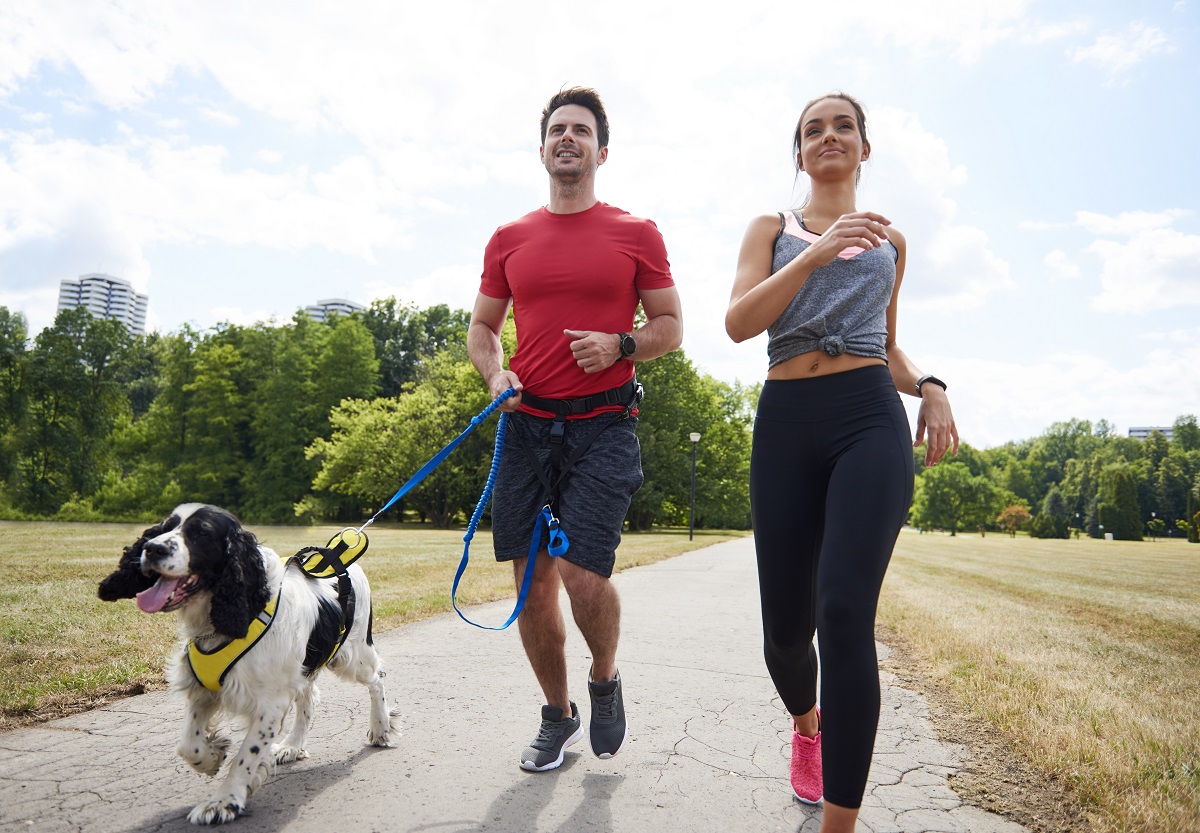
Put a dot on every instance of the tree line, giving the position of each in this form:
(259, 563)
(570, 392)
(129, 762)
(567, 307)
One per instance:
(306, 421)
(1076, 478)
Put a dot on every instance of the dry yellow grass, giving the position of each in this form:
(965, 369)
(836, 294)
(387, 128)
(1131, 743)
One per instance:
(1084, 654)
(62, 649)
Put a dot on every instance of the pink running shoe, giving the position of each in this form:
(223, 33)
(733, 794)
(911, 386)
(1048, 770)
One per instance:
(806, 768)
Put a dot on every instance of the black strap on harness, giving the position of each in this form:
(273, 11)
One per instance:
(328, 559)
(629, 394)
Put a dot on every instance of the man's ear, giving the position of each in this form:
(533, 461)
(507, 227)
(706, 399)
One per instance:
(601, 156)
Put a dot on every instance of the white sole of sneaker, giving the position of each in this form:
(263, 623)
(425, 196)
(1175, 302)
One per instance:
(806, 801)
(530, 766)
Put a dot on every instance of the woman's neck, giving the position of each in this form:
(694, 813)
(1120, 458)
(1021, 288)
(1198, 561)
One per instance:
(830, 201)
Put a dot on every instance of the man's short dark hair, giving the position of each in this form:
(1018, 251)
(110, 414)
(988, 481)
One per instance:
(584, 97)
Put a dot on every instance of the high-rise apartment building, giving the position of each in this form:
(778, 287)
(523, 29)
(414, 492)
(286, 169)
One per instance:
(105, 297)
(321, 310)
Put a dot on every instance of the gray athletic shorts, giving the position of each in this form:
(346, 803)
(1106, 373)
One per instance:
(593, 498)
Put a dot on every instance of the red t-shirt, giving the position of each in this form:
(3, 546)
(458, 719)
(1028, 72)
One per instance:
(579, 271)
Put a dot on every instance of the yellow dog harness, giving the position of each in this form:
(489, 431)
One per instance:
(211, 667)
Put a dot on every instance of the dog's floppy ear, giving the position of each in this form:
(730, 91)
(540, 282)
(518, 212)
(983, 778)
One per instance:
(127, 580)
(240, 592)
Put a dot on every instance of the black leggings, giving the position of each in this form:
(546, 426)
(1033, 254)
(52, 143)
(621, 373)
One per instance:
(831, 480)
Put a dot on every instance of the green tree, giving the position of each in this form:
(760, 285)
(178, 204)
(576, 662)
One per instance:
(1154, 448)
(346, 367)
(73, 403)
(1185, 433)
(1170, 489)
(286, 419)
(406, 337)
(377, 445)
(949, 497)
(218, 419)
(13, 366)
(1118, 503)
(679, 401)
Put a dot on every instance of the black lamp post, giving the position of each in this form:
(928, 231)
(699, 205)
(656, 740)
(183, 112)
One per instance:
(695, 438)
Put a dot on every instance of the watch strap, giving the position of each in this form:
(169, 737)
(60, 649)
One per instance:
(929, 377)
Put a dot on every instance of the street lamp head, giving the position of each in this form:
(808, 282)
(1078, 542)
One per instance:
(694, 437)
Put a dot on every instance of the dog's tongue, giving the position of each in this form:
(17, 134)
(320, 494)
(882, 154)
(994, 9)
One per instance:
(153, 599)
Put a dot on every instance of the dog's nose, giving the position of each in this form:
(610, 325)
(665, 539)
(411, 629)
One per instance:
(155, 551)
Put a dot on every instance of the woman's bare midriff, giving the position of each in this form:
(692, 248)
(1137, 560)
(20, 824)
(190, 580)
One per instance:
(817, 363)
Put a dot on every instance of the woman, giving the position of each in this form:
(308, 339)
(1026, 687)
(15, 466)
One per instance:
(831, 471)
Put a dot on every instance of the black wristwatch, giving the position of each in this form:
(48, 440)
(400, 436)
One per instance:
(929, 377)
(628, 345)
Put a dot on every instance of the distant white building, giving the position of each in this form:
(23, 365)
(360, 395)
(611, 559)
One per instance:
(322, 310)
(1142, 432)
(105, 297)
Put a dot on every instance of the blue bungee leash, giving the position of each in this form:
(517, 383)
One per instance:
(437, 459)
(558, 543)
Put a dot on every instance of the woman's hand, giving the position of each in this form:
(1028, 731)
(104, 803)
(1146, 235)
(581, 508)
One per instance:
(936, 419)
(861, 229)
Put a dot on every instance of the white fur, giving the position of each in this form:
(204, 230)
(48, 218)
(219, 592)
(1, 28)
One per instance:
(267, 681)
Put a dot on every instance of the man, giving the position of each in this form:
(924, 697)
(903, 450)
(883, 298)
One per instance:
(574, 271)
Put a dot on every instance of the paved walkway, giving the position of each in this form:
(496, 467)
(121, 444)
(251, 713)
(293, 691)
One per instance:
(708, 749)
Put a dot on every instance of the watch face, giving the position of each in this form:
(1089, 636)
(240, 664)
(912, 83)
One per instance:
(628, 345)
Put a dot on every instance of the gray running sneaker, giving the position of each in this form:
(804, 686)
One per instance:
(608, 730)
(555, 735)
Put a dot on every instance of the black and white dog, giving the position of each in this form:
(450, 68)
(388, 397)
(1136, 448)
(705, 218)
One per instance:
(230, 593)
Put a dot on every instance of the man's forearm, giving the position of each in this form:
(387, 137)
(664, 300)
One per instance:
(657, 337)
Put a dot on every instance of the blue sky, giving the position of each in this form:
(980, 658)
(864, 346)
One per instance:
(237, 161)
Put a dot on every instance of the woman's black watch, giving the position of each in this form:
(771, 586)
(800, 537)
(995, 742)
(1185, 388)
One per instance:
(929, 377)
(628, 345)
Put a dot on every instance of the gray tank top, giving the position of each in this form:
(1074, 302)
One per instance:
(842, 307)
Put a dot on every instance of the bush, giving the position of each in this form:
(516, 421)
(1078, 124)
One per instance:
(1049, 526)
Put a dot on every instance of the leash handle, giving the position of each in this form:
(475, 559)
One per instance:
(437, 459)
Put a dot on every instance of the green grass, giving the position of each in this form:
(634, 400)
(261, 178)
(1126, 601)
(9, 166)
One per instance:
(64, 650)
(1084, 655)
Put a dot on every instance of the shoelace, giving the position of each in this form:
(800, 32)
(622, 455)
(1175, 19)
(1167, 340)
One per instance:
(606, 707)
(548, 732)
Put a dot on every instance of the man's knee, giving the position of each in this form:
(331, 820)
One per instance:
(591, 594)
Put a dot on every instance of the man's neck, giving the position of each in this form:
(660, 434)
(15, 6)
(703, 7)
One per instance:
(571, 197)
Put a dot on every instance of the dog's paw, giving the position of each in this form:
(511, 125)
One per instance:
(207, 757)
(288, 754)
(216, 811)
(383, 733)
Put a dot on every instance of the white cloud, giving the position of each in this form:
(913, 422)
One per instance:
(455, 285)
(155, 192)
(1129, 223)
(219, 117)
(1158, 269)
(998, 401)
(951, 263)
(1152, 266)
(1061, 265)
(1120, 52)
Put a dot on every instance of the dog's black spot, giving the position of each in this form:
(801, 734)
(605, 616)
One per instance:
(254, 749)
(196, 751)
(326, 632)
(370, 620)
